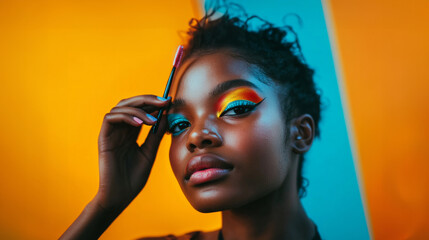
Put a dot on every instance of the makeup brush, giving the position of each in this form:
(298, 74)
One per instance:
(176, 62)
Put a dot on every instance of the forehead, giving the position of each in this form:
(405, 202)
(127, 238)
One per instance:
(202, 74)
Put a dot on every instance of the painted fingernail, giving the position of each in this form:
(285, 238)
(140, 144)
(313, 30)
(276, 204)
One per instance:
(138, 120)
(162, 99)
(152, 118)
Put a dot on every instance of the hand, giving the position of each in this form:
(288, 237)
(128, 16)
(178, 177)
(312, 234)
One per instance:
(124, 165)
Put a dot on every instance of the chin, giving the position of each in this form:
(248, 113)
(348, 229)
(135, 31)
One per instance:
(210, 207)
(210, 201)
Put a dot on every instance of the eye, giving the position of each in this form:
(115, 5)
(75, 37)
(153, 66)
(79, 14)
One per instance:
(238, 108)
(177, 125)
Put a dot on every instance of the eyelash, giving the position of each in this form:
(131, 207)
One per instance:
(247, 105)
(175, 123)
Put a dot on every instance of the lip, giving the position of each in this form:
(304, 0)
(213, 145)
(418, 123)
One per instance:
(206, 168)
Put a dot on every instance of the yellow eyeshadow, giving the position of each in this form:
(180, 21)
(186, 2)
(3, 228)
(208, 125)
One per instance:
(244, 93)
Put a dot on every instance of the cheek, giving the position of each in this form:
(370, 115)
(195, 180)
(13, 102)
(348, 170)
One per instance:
(259, 147)
(177, 158)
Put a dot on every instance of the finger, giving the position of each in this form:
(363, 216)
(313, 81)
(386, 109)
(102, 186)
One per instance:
(112, 119)
(152, 109)
(145, 117)
(144, 100)
(151, 144)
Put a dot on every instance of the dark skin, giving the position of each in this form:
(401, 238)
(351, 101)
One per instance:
(124, 166)
(257, 196)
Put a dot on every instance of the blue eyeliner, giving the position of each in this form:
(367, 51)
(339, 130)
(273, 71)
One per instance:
(174, 120)
(238, 103)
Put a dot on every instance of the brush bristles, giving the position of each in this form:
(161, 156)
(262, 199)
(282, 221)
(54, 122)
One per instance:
(178, 57)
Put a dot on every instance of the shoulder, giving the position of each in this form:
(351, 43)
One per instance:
(195, 235)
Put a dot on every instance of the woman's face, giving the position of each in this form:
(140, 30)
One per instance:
(228, 134)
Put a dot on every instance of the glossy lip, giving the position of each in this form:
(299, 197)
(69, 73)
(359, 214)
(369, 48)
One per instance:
(206, 168)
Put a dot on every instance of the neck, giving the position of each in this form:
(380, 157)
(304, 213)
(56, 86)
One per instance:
(279, 215)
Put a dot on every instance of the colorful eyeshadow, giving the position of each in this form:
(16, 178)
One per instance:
(177, 123)
(243, 93)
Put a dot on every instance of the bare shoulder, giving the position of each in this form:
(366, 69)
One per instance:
(195, 235)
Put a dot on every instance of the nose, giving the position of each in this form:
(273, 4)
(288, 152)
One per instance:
(203, 137)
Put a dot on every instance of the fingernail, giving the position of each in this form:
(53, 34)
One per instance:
(138, 120)
(161, 98)
(152, 118)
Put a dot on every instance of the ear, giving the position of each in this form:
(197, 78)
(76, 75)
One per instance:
(302, 133)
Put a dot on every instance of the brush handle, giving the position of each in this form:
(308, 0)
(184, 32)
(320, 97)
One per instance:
(167, 89)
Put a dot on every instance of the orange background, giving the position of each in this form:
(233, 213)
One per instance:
(63, 65)
(383, 50)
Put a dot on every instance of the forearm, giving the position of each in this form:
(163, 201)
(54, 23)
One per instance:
(92, 222)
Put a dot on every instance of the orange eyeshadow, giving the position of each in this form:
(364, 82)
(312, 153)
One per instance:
(243, 93)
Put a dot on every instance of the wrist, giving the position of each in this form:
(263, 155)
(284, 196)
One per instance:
(92, 222)
(99, 206)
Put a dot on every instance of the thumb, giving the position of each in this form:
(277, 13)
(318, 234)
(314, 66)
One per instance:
(151, 144)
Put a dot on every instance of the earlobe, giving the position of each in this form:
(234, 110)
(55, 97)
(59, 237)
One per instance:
(302, 133)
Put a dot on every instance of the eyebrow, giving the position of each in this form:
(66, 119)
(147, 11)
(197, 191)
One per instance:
(225, 86)
(177, 103)
(219, 89)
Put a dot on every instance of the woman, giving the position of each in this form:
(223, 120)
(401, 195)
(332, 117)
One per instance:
(244, 113)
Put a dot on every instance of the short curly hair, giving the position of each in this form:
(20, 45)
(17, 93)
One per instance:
(268, 48)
